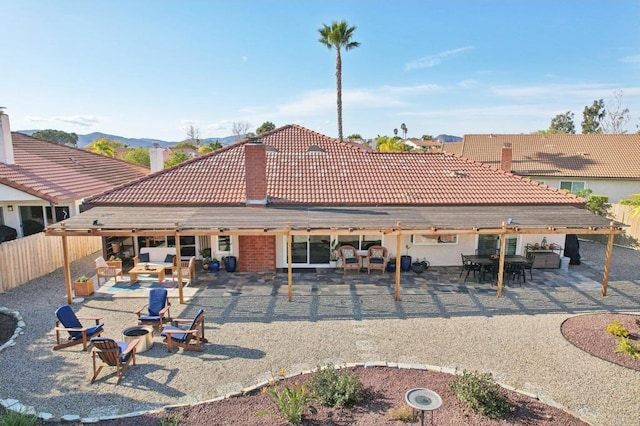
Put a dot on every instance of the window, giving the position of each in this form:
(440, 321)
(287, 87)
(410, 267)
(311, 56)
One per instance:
(572, 187)
(224, 243)
(360, 242)
(426, 240)
(490, 244)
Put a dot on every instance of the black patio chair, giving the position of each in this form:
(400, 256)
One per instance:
(469, 267)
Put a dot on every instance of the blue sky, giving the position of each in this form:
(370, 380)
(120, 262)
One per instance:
(151, 68)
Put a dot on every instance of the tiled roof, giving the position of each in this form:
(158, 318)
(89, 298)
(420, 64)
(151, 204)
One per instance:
(453, 148)
(60, 173)
(305, 167)
(590, 155)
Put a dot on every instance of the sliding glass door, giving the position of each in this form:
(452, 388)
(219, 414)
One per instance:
(310, 250)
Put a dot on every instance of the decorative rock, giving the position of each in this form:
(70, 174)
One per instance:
(90, 420)
(45, 416)
(71, 418)
(6, 403)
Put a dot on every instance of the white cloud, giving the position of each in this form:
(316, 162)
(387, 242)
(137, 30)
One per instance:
(633, 59)
(595, 90)
(244, 58)
(35, 118)
(77, 120)
(433, 60)
(219, 125)
(467, 84)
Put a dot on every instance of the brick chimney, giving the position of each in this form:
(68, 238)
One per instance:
(156, 158)
(255, 163)
(6, 143)
(506, 157)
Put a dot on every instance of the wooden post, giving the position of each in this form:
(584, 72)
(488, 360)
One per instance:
(289, 267)
(607, 260)
(398, 253)
(179, 265)
(503, 248)
(67, 267)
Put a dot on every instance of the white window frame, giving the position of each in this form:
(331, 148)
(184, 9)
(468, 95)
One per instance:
(218, 237)
(361, 238)
(433, 240)
(572, 183)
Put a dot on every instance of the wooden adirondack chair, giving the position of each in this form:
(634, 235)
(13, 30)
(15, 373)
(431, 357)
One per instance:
(189, 339)
(112, 354)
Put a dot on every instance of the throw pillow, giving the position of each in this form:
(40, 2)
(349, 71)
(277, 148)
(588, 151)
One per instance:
(377, 252)
(101, 263)
(169, 258)
(143, 257)
(350, 260)
(348, 253)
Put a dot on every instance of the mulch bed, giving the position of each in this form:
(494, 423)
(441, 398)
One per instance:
(7, 327)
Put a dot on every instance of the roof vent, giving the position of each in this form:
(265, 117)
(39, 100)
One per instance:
(271, 148)
(315, 148)
(457, 173)
(584, 154)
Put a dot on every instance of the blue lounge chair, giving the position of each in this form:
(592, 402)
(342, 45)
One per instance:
(113, 354)
(189, 339)
(157, 307)
(69, 322)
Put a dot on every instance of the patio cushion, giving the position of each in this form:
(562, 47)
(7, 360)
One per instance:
(348, 254)
(144, 257)
(169, 258)
(377, 253)
(376, 260)
(350, 260)
(101, 263)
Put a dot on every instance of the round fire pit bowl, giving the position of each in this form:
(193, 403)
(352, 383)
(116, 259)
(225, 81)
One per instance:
(142, 332)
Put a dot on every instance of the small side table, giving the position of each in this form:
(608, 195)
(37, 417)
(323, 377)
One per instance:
(424, 400)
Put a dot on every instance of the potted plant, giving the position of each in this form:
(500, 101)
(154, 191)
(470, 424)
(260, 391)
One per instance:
(206, 257)
(214, 265)
(391, 265)
(405, 260)
(333, 262)
(83, 286)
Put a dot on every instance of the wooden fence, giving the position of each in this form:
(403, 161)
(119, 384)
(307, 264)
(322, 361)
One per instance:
(31, 257)
(630, 235)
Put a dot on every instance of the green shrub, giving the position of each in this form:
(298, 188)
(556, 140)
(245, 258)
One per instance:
(12, 418)
(404, 414)
(170, 421)
(291, 400)
(617, 329)
(482, 394)
(336, 390)
(626, 347)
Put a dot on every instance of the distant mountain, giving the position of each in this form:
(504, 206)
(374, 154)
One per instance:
(84, 140)
(447, 138)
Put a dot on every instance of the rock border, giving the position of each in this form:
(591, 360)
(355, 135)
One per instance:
(20, 325)
(15, 405)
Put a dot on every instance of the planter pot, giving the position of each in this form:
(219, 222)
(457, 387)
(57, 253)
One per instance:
(391, 267)
(419, 267)
(333, 263)
(205, 266)
(214, 266)
(230, 263)
(83, 288)
(405, 263)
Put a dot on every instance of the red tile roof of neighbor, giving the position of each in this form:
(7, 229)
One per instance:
(60, 173)
(590, 155)
(305, 167)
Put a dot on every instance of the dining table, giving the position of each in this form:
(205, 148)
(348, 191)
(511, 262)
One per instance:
(490, 263)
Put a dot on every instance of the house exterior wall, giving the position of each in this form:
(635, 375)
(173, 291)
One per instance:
(615, 189)
(256, 253)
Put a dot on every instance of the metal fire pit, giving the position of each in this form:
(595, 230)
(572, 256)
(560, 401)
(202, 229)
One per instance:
(142, 332)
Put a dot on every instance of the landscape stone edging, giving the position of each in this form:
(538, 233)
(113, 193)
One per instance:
(19, 326)
(15, 405)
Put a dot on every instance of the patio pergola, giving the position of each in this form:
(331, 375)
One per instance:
(317, 220)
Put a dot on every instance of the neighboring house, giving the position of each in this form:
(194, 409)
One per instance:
(292, 186)
(606, 164)
(43, 182)
(424, 145)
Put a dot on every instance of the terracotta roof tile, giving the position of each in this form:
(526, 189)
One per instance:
(60, 173)
(305, 167)
(590, 155)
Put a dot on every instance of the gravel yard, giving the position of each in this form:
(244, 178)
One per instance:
(516, 337)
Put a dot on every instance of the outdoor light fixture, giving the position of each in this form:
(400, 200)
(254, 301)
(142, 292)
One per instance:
(10, 208)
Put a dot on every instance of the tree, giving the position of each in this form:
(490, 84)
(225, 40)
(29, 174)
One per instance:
(209, 147)
(176, 157)
(186, 144)
(427, 138)
(139, 156)
(104, 146)
(597, 204)
(240, 129)
(563, 123)
(592, 117)
(403, 127)
(633, 200)
(267, 126)
(354, 136)
(338, 36)
(395, 132)
(57, 136)
(389, 144)
(617, 116)
(193, 136)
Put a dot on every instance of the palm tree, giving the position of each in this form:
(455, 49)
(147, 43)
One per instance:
(404, 130)
(395, 132)
(338, 36)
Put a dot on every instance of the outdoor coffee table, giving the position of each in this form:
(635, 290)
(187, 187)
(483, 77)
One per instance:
(147, 268)
(423, 400)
